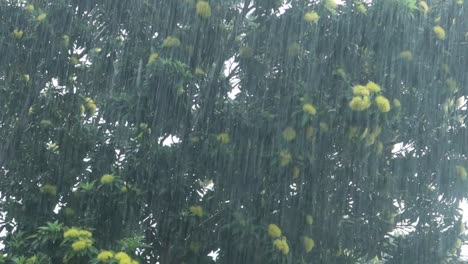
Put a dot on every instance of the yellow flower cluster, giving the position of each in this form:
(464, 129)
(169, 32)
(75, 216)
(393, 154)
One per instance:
(29, 8)
(274, 231)
(361, 101)
(77, 233)
(124, 258)
(41, 17)
(309, 109)
(107, 179)
(203, 9)
(281, 245)
(423, 7)
(82, 244)
(289, 134)
(308, 243)
(361, 8)
(439, 32)
(90, 105)
(153, 57)
(49, 189)
(18, 33)
(382, 104)
(330, 5)
(361, 90)
(406, 55)
(311, 16)
(105, 256)
(171, 42)
(196, 210)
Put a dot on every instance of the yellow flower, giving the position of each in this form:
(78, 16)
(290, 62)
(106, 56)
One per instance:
(153, 57)
(309, 244)
(311, 16)
(199, 71)
(18, 33)
(203, 9)
(406, 55)
(373, 87)
(310, 109)
(196, 210)
(361, 8)
(461, 171)
(123, 258)
(285, 157)
(81, 244)
(107, 179)
(396, 103)
(359, 103)
(41, 17)
(382, 104)
(105, 255)
(341, 72)
(26, 77)
(439, 32)
(29, 8)
(170, 42)
(85, 233)
(223, 138)
(49, 189)
(90, 105)
(71, 233)
(281, 245)
(361, 90)
(330, 5)
(274, 231)
(423, 7)
(309, 219)
(289, 134)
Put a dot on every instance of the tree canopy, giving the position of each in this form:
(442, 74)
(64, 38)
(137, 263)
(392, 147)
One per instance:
(260, 131)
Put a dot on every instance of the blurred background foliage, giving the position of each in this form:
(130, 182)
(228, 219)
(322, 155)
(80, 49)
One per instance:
(260, 131)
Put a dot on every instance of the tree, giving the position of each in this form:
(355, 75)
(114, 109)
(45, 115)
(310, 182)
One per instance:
(345, 142)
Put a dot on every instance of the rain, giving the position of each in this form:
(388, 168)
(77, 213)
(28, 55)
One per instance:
(233, 131)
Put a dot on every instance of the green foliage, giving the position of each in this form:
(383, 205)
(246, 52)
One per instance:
(142, 93)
